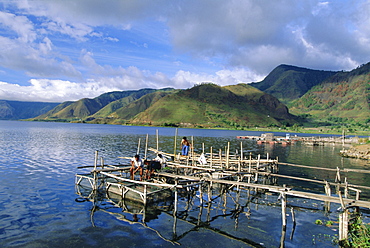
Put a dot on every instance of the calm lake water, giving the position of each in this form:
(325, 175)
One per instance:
(40, 207)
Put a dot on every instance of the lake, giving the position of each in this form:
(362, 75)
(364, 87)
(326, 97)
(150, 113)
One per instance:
(40, 205)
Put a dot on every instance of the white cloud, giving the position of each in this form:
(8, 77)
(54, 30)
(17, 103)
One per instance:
(83, 48)
(18, 24)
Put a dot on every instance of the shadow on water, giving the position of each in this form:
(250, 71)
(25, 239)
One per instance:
(237, 216)
(39, 208)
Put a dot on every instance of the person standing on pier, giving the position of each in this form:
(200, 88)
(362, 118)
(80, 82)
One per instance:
(185, 146)
(136, 165)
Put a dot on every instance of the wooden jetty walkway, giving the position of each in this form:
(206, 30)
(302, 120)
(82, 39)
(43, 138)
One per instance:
(270, 138)
(232, 170)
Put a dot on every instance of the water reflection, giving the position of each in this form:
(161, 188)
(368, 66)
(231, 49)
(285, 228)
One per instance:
(223, 212)
(38, 163)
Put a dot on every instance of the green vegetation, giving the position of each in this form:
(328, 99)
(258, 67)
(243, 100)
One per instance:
(341, 99)
(359, 234)
(211, 106)
(320, 101)
(288, 82)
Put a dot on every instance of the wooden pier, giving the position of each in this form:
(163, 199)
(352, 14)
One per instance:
(239, 171)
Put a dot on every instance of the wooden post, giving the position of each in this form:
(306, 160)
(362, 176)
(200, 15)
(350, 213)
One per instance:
(175, 211)
(258, 163)
(210, 164)
(95, 185)
(203, 148)
(192, 150)
(327, 189)
(328, 193)
(102, 162)
(283, 217)
(156, 133)
(96, 160)
(337, 177)
(343, 225)
(227, 155)
(138, 147)
(250, 163)
(283, 208)
(174, 147)
(241, 151)
(220, 154)
(294, 222)
(345, 188)
(146, 145)
(145, 194)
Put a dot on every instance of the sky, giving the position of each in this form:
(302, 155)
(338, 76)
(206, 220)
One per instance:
(66, 50)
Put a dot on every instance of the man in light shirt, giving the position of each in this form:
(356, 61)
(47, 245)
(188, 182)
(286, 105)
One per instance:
(136, 165)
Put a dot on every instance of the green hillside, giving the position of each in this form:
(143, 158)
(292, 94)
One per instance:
(288, 82)
(122, 110)
(344, 96)
(209, 105)
(86, 107)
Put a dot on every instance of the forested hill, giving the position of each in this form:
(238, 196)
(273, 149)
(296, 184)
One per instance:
(287, 82)
(209, 105)
(344, 96)
(206, 105)
(81, 109)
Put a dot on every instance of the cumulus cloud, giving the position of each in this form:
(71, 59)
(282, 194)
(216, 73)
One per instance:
(73, 49)
(262, 34)
(47, 90)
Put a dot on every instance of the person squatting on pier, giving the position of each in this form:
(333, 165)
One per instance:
(155, 165)
(185, 146)
(136, 165)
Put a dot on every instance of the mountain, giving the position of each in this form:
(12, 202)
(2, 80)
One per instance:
(86, 107)
(209, 105)
(345, 95)
(15, 110)
(121, 111)
(287, 82)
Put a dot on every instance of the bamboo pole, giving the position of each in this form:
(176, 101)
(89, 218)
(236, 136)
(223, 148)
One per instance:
(227, 155)
(283, 209)
(241, 151)
(146, 145)
(138, 147)
(294, 223)
(145, 194)
(96, 160)
(102, 162)
(343, 225)
(95, 186)
(220, 156)
(192, 150)
(175, 143)
(210, 164)
(156, 133)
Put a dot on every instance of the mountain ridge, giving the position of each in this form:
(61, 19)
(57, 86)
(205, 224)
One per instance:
(287, 82)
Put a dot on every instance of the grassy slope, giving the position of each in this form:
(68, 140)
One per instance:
(288, 82)
(209, 105)
(345, 95)
(84, 108)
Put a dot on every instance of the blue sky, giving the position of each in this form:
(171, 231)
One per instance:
(54, 50)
